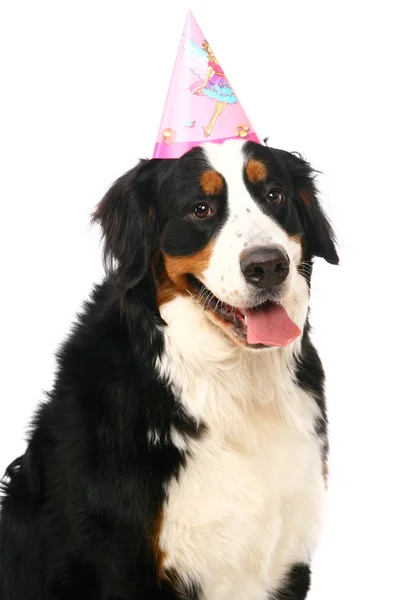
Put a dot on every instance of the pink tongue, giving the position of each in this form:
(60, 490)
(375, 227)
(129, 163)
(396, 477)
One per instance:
(270, 326)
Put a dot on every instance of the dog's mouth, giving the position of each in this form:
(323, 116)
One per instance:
(264, 325)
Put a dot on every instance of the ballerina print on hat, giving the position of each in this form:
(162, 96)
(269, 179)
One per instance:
(201, 104)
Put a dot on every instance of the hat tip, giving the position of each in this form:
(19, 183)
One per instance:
(198, 94)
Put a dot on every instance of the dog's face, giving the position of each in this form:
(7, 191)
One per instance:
(234, 227)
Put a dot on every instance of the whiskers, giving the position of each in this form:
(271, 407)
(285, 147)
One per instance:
(205, 297)
(305, 267)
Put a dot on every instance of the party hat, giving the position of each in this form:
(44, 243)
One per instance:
(201, 105)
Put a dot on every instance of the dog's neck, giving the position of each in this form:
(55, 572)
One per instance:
(219, 380)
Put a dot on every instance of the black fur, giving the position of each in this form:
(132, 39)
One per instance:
(301, 213)
(81, 507)
(79, 511)
(297, 584)
(318, 234)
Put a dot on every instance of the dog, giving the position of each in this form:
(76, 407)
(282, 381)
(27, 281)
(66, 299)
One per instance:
(182, 451)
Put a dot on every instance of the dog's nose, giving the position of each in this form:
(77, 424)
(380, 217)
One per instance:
(265, 267)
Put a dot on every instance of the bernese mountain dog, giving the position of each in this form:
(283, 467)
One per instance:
(182, 451)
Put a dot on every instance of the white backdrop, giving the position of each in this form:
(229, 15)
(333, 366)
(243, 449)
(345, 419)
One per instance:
(82, 90)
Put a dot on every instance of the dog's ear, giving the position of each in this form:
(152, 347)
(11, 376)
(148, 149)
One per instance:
(127, 216)
(319, 235)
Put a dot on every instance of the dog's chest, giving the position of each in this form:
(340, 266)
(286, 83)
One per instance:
(245, 508)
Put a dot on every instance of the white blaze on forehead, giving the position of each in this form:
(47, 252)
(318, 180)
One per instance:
(246, 227)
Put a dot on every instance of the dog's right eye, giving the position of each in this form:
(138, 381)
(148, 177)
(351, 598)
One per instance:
(275, 197)
(202, 211)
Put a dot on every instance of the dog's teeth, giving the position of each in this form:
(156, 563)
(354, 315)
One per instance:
(245, 320)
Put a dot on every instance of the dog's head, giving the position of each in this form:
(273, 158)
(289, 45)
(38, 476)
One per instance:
(234, 227)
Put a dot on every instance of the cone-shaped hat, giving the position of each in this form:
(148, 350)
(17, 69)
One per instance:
(201, 104)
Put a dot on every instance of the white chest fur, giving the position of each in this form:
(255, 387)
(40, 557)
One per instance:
(248, 504)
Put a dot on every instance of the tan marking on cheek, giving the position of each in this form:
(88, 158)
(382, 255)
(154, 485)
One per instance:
(179, 267)
(325, 469)
(296, 238)
(212, 183)
(256, 171)
(299, 239)
(166, 290)
(159, 554)
(305, 197)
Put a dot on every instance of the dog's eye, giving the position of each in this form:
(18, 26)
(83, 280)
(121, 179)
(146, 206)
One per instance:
(201, 211)
(275, 197)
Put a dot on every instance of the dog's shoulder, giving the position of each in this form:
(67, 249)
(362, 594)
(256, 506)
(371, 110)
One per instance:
(89, 478)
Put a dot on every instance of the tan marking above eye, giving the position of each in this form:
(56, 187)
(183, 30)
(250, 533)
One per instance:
(212, 183)
(256, 171)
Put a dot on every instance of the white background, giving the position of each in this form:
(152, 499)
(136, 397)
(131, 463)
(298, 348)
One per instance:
(82, 90)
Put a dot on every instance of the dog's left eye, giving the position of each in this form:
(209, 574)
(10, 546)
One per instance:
(201, 211)
(275, 197)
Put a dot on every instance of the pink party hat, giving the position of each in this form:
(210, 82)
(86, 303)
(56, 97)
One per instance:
(201, 104)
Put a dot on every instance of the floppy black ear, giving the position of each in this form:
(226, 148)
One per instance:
(319, 235)
(127, 216)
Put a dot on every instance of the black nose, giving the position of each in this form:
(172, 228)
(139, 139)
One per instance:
(265, 267)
